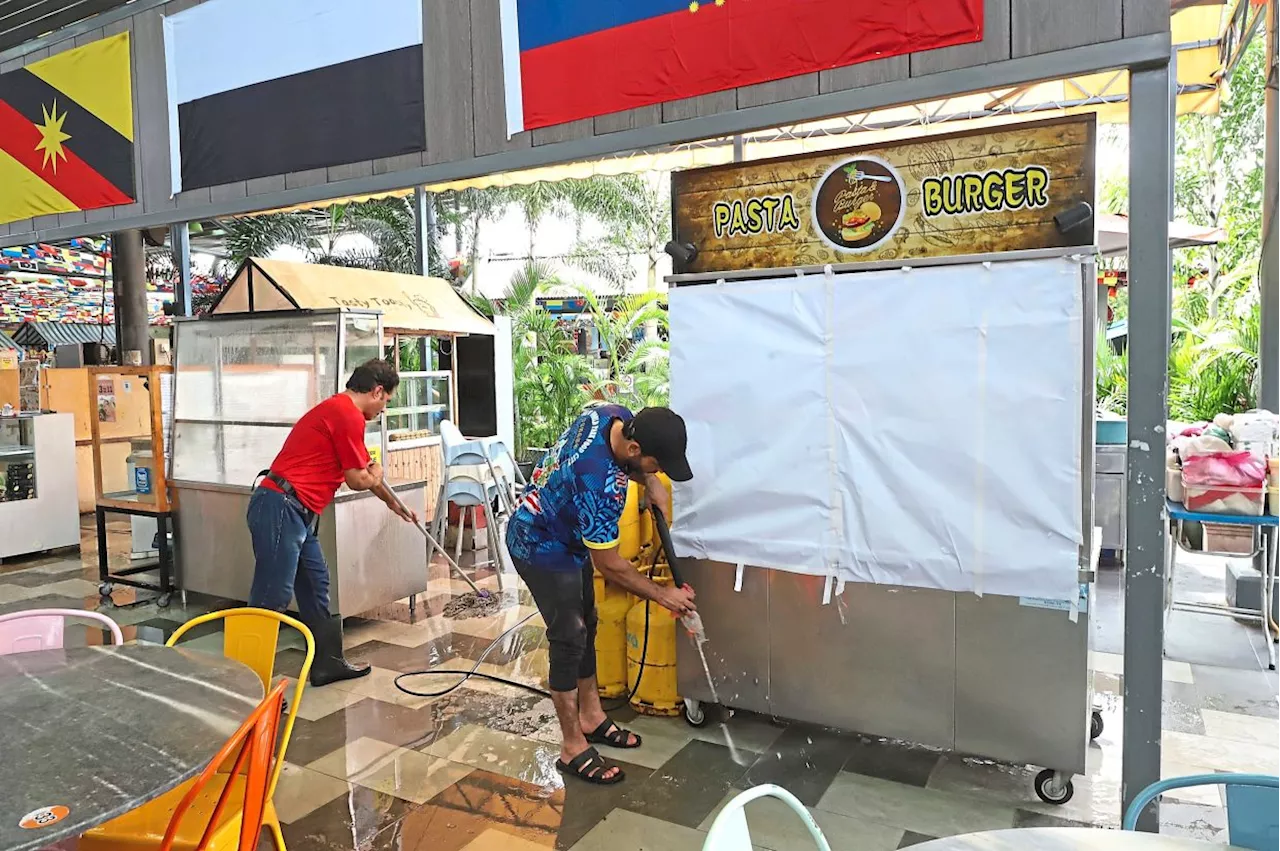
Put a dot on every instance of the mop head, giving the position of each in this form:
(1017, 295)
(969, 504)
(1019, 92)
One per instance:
(471, 605)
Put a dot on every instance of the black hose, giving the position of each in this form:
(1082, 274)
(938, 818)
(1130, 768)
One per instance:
(473, 672)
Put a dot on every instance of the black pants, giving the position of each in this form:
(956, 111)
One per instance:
(567, 601)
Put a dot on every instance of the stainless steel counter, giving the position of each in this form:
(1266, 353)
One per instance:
(992, 676)
(374, 557)
(1109, 496)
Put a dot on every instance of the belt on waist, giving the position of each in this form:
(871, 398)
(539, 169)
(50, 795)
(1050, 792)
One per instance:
(286, 487)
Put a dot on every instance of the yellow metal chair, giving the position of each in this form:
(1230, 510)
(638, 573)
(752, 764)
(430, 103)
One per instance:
(250, 636)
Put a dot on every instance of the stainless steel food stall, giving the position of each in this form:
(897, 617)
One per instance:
(241, 381)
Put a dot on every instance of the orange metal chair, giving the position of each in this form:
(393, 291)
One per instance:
(250, 636)
(215, 812)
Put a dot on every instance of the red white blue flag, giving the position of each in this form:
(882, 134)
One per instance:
(569, 59)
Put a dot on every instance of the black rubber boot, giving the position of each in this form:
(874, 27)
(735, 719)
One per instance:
(330, 666)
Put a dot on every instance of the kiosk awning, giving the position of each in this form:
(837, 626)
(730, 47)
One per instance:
(407, 302)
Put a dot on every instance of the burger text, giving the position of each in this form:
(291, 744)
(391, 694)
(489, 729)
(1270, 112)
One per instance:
(987, 192)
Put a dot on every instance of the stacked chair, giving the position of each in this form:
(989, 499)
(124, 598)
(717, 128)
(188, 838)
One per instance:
(475, 474)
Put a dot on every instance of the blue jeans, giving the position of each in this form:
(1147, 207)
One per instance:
(285, 551)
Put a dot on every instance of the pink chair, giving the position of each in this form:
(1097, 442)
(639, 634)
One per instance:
(41, 629)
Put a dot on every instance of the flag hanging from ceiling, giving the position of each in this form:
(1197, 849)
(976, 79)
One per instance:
(66, 132)
(265, 87)
(570, 59)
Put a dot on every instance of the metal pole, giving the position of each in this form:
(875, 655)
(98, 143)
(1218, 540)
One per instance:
(1150, 298)
(129, 266)
(180, 245)
(739, 148)
(424, 226)
(1268, 273)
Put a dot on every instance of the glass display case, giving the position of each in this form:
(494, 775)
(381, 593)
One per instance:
(17, 459)
(241, 382)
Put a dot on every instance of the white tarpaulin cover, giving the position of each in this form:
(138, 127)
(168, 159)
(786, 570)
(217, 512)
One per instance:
(910, 427)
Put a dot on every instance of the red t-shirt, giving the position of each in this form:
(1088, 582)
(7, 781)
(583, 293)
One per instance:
(326, 441)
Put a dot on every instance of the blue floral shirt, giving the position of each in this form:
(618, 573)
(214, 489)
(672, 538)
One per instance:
(575, 499)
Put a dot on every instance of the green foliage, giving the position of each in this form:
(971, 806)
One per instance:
(1111, 380)
(1218, 175)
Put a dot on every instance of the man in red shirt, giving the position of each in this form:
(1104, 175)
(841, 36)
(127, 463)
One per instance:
(324, 450)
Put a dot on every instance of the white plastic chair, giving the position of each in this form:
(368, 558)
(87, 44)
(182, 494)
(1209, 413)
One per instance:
(42, 629)
(729, 831)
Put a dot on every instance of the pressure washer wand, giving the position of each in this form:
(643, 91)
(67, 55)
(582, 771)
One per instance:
(692, 622)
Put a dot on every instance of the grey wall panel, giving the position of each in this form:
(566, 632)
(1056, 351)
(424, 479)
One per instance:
(152, 171)
(993, 48)
(449, 98)
(865, 74)
(486, 83)
(227, 192)
(790, 88)
(1142, 17)
(70, 219)
(264, 185)
(91, 36)
(628, 119)
(194, 198)
(704, 105)
(1041, 26)
(388, 165)
(310, 177)
(350, 171)
(582, 129)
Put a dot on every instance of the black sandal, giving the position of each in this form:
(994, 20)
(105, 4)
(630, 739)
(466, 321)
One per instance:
(609, 733)
(591, 767)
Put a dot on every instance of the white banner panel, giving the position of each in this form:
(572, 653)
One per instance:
(917, 428)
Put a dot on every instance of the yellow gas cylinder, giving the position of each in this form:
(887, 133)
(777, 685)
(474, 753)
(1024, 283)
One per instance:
(656, 692)
(631, 525)
(612, 605)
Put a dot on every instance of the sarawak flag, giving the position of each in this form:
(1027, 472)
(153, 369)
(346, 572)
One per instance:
(66, 132)
(570, 59)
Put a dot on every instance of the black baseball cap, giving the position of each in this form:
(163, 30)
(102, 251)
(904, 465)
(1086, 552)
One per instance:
(662, 436)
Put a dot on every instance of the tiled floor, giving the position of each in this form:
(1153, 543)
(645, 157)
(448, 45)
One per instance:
(371, 767)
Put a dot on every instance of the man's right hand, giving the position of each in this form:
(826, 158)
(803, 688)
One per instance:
(679, 601)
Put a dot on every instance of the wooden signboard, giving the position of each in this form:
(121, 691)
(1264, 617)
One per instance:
(965, 193)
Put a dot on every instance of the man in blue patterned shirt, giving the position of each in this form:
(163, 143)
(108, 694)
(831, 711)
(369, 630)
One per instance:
(567, 524)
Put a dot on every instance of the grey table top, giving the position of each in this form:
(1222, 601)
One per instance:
(99, 731)
(1065, 839)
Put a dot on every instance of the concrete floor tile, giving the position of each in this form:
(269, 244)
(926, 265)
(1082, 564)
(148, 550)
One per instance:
(319, 703)
(301, 791)
(662, 738)
(928, 811)
(356, 759)
(1242, 728)
(496, 840)
(1220, 754)
(626, 831)
(501, 753)
(775, 826)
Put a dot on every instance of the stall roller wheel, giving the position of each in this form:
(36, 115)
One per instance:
(1054, 787)
(163, 601)
(1095, 725)
(693, 712)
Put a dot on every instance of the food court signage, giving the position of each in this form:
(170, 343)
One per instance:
(967, 193)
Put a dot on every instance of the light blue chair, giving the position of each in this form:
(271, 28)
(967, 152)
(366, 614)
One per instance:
(1253, 806)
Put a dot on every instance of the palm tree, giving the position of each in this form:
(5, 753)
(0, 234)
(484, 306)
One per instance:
(388, 224)
(637, 372)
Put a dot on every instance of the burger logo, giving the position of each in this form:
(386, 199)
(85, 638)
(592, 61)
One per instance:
(858, 204)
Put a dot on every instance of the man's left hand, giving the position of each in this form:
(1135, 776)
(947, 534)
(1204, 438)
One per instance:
(657, 495)
(405, 513)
